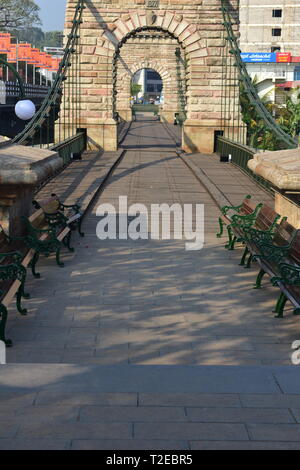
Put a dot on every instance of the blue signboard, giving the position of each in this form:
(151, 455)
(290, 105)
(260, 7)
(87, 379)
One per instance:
(258, 56)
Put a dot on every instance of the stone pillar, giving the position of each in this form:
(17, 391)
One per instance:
(104, 135)
(21, 170)
(199, 136)
(167, 116)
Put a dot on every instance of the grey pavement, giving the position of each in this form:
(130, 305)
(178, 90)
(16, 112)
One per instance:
(134, 333)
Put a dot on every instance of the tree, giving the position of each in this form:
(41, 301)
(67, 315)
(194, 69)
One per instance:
(15, 14)
(135, 89)
(33, 35)
(53, 39)
(287, 116)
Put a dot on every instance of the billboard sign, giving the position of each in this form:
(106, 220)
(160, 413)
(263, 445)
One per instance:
(258, 57)
(284, 57)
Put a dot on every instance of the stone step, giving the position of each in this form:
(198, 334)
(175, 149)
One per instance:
(150, 379)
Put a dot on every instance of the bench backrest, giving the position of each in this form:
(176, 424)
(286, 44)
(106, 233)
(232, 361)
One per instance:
(284, 234)
(37, 219)
(50, 206)
(295, 249)
(266, 218)
(248, 207)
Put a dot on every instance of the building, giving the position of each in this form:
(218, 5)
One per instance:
(270, 43)
(151, 84)
(54, 51)
(270, 26)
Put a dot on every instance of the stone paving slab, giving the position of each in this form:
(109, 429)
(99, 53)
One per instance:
(145, 379)
(64, 407)
(80, 181)
(135, 336)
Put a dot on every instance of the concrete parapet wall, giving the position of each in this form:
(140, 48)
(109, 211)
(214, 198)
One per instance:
(21, 170)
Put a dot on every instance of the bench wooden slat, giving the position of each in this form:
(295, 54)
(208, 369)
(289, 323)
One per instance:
(63, 234)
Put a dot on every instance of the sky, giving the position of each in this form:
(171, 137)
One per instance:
(52, 14)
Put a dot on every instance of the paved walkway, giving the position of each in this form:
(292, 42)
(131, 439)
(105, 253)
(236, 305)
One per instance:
(139, 307)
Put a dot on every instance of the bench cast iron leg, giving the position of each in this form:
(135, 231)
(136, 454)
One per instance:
(67, 242)
(259, 278)
(3, 318)
(21, 310)
(243, 259)
(232, 244)
(79, 228)
(228, 244)
(59, 263)
(33, 265)
(221, 224)
(280, 305)
(248, 265)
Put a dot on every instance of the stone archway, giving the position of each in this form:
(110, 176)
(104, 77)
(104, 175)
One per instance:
(197, 26)
(122, 85)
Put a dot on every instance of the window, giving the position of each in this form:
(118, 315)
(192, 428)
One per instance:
(152, 75)
(276, 32)
(150, 88)
(275, 49)
(297, 73)
(277, 13)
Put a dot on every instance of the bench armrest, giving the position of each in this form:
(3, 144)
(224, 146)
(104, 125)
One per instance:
(271, 252)
(257, 236)
(15, 255)
(225, 209)
(31, 230)
(55, 218)
(75, 207)
(289, 274)
(242, 220)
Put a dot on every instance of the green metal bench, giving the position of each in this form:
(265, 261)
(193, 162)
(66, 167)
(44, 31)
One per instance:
(280, 259)
(45, 238)
(263, 227)
(288, 282)
(236, 218)
(12, 280)
(278, 234)
(228, 211)
(58, 214)
(42, 238)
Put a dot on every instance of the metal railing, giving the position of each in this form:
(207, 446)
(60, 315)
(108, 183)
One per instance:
(240, 155)
(55, 124)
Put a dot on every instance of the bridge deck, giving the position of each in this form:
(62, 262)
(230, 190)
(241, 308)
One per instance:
(125, 303)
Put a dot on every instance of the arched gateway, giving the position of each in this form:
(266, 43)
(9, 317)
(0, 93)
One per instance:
(181, 41)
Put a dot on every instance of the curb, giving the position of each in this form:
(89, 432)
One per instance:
(220, 199)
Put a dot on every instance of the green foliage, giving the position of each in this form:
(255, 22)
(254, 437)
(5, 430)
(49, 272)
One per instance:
(53, 39)
(145, 108)
(18, 14)
(286, 115)
(38, 38)
(135, 89)
(33, 35)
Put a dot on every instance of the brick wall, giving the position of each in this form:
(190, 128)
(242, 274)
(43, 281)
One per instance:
(196, 27)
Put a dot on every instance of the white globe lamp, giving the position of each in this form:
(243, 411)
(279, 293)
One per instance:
(25, 109)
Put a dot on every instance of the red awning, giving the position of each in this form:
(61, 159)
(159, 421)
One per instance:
(288, 84)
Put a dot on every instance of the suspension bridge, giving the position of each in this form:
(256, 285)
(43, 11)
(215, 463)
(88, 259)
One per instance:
(139, 344)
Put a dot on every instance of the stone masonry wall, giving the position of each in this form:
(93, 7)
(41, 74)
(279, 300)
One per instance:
(196, 25)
